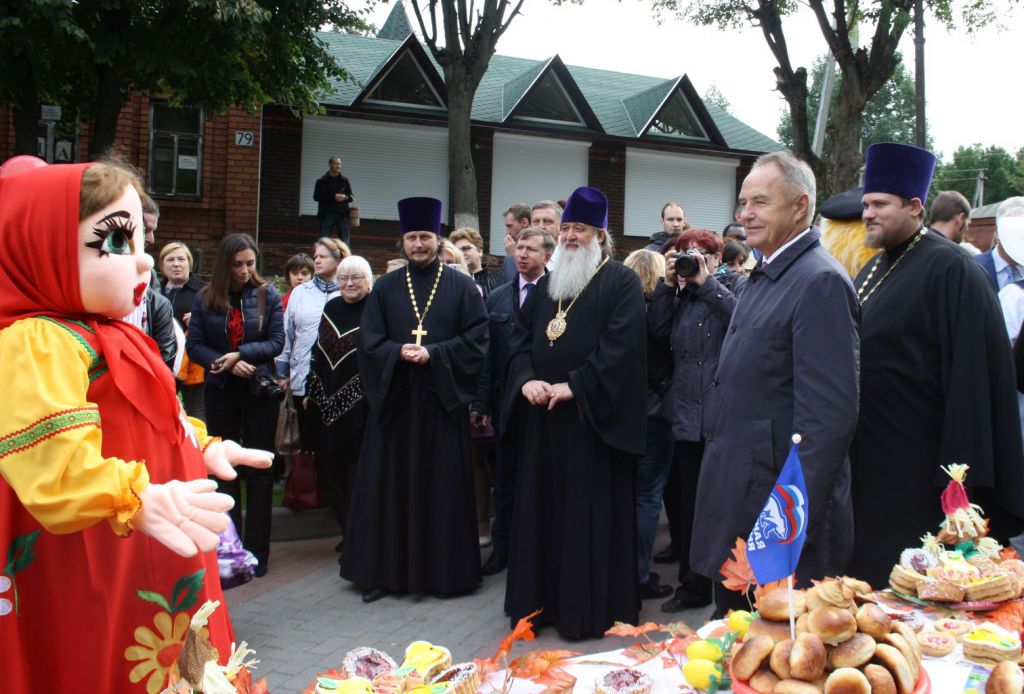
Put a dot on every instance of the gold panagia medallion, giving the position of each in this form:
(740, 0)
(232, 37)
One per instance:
(556, 327)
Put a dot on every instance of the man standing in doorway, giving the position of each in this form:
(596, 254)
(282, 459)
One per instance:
(333, 194)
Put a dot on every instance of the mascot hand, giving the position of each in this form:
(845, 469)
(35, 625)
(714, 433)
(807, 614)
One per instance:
(185, 516)
(222, 457)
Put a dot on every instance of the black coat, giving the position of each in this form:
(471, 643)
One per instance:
(324, 191)
(183, 298)
(502, 305)
(208, 340)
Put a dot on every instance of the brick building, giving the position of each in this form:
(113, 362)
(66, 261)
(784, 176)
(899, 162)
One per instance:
(540, 128)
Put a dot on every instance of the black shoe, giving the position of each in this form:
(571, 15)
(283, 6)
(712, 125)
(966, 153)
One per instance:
(340, 546)
(667, 556)
(495, 563)
(654, 588)
(261, 569)
(375, 594)
(695, 591)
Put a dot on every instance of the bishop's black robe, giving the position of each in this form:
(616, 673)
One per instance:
(412, 522)
(937, 387)
(573, 550)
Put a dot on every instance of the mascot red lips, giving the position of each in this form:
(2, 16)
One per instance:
(140, 291)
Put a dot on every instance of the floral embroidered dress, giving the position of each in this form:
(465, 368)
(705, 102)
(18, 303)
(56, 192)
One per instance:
(87, 420)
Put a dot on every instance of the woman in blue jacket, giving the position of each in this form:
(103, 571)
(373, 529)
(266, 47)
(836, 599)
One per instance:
(235, 332)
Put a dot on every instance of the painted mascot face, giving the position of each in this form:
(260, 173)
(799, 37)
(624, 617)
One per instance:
(113, 267)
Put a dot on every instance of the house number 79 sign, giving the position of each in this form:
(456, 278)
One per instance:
(244, 138)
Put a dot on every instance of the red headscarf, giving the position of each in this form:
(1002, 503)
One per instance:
(39, 249)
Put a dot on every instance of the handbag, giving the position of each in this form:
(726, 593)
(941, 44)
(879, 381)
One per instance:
(286, 440)
(302, 491)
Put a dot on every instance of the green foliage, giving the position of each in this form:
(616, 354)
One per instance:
(1004, 172)
(888, 116)
(715, 97)
(212, 54)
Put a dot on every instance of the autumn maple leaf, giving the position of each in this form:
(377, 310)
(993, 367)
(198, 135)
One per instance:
(557, 681)
(737, 574)
(1009, 616)
(628, 630)
(1008, 552)
(642, 652)
(536, 665)
(522, 632)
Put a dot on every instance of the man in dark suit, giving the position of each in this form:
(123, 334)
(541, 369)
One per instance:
(533, 250)
(797, 322)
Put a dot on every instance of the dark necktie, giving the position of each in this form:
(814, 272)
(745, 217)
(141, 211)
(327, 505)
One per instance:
(530, 286)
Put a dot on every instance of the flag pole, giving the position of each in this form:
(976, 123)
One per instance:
(789, 580)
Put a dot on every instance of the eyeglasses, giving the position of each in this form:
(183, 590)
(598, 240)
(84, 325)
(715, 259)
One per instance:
(355, 279)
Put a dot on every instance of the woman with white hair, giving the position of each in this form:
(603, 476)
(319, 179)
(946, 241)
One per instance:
(334, 388)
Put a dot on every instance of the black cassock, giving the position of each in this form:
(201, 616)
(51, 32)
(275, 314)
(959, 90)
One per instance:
(412, 523)
(573, 550)
(937, 387)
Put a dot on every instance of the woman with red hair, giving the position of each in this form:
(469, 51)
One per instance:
(690, 310)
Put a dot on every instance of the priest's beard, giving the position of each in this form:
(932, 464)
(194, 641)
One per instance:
(573, 269)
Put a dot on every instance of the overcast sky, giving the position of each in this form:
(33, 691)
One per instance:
(973, 83)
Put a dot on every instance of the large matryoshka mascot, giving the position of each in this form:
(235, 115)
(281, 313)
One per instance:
(843, 232)
(107, 520)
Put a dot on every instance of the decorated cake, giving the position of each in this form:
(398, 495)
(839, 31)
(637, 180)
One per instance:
(426, 661)
(624, 681)
(972, 570)
(368, 663)
(352, 685)
(989, 644)
(464, 678)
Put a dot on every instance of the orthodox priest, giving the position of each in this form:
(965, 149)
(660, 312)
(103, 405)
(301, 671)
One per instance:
(937, 379)
(422, 341)
(577, 381)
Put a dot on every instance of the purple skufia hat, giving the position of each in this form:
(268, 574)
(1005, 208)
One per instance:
(898, 169)
(588, 206)
(420, 214)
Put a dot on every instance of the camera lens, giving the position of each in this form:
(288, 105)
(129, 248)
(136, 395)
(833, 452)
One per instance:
(685, 265)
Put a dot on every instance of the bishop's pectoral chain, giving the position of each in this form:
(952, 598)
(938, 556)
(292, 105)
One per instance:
(419, 333)
(558, 324)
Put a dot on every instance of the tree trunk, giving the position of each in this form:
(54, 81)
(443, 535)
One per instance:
(461, 170)
(845, 156)
(26, 120)
(109, 79)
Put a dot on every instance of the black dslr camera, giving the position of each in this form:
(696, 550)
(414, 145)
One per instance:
(264, 387)
(686, 265)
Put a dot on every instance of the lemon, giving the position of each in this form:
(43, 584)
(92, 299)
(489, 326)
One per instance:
(740, 621)
(703, 650)
(699, 671)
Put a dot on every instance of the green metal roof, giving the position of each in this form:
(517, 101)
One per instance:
(397, 25)
(622, 103)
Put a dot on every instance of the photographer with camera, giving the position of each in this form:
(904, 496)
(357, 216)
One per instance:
(690, 310)
(235, 331)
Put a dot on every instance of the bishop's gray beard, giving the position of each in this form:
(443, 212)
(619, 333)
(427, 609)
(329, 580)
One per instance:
(573, 270)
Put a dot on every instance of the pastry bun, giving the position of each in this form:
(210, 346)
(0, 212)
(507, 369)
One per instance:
(777, 631)
(847, 680)
(892, 660)
(796, 687)
(752, 654)
(807, 658)
(873, 621)
(779, 661)
(832, 625)
(859, 649)
(880, 679)
(763, 682)
(1006, 678)
(774, 606)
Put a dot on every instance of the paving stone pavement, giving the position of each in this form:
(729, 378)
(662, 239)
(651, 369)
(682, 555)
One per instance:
(301, 618)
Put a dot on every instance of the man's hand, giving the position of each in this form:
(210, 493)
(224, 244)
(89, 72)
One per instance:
(226, 363)
(510, 243)
(478, 420)
(339, 197)
(416, 354)
(537, 392)
(560, 392)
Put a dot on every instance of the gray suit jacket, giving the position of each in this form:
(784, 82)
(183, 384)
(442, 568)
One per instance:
(789, 364)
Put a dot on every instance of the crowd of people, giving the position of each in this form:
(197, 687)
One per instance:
(550, 407)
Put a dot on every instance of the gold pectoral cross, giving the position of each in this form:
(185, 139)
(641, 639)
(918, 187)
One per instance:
(420, 333)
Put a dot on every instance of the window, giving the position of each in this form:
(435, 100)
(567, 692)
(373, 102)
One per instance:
(548, 101)
(677, 120)
(175, 151)
(405, 83)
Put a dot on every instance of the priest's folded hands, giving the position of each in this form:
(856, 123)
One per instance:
(541, 393)
(417, 354)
